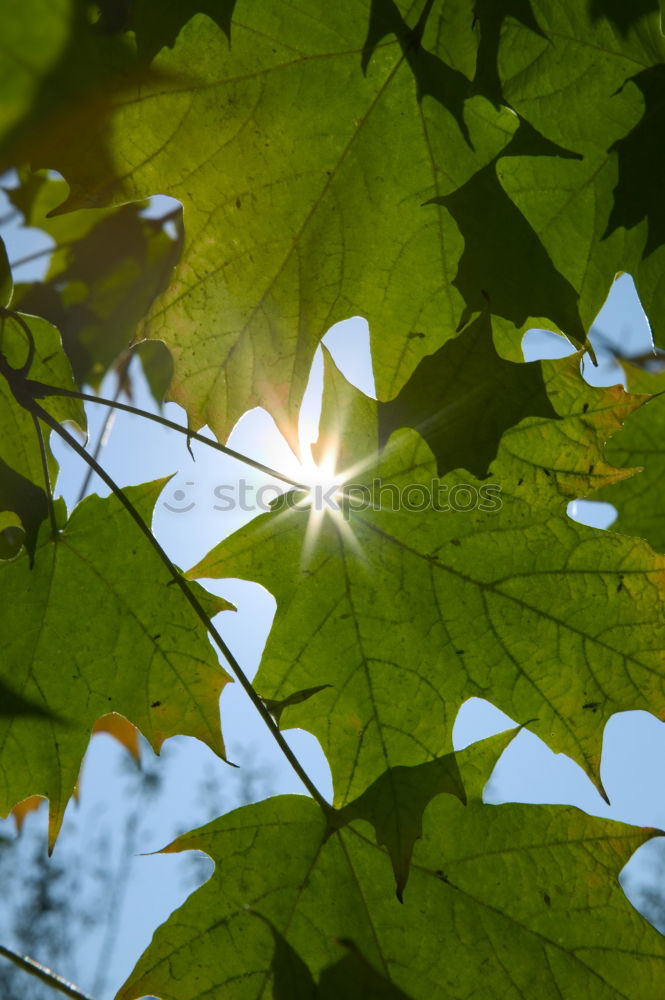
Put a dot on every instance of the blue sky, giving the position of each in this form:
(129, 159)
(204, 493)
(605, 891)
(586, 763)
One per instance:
(195, 783)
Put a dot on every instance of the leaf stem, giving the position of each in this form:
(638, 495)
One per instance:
(42, 972)
(40, 389)
(178, 579)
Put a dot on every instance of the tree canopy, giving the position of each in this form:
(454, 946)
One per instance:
(456, 172)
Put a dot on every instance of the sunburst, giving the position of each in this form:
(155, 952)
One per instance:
(325, 499)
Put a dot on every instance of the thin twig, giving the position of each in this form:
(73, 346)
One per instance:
(118, 891)
(36, 254)
(40, 389)
(43, 973)
(122, 370)
(192, 600)
(102, 440)
(47, 477)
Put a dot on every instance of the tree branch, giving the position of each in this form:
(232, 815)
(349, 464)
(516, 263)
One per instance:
(179, 580)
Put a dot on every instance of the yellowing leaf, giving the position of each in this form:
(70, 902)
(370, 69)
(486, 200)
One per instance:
(23, 809)
(122, 730)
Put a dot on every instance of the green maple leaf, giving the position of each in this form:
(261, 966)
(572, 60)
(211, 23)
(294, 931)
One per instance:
(156, 23)
(405, 613)
(107, 268)
(573, 65)
(638, 194)
(464, 397)
(6, 285)
(598, 92)
(22, 484)
(94, 627)
(622, 16)
(504, 261)
(523, 900)
(639, 500)
(394, 804)
(219, 126)
(472, 202)
(569, 454)
(489, 18)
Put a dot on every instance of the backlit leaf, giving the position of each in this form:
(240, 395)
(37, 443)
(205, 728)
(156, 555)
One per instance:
(594, 90)
(464, 397)
(143, 657)
(107, 268)
(519, 899)
(5, 277)
(351, 977)
(570, 454)
(221, 126)
(394, 804)
(421, 592)
(22, 486)
(456, 172)
(639, 500)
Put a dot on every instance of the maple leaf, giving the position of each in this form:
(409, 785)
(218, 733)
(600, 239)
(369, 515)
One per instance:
(239, 114)
(639, 500)
(27, 340)
(94, 627)
(520, 897)
(106, 269)
(594, 91)
(437, 589)
(480, 394)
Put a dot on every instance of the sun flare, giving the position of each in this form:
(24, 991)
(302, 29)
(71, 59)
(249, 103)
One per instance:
(325, 499)
(322, 476)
